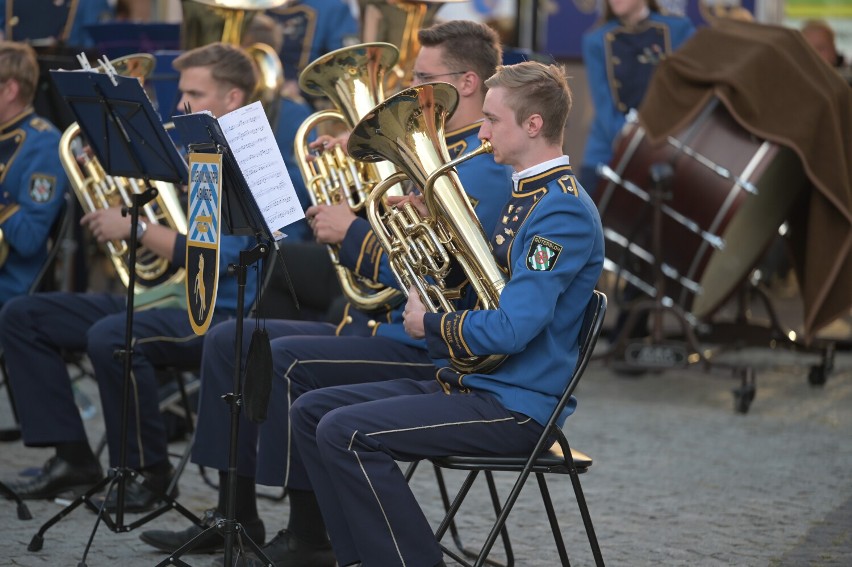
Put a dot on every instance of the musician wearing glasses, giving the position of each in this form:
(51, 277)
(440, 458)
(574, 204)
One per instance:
(32, 181)
(361, 348)
(35, 330)
(549, 241)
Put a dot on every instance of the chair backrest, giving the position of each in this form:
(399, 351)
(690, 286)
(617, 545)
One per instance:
(58, 232)
(590, 330)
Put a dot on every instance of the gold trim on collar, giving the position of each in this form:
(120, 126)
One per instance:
(18, 117)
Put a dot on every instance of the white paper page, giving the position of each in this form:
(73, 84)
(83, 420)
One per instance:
(256, 152)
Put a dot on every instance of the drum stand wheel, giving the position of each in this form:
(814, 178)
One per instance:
(744, 395)
(744, 332)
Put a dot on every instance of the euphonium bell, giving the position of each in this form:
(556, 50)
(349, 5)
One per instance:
(95, 189)
(352, 78)
(271, 79)
(408, 130)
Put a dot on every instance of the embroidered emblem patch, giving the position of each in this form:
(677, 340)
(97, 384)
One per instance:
(543, 254)
(42, 187)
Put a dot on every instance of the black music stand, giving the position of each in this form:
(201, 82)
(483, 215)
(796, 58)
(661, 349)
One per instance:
(127, 137)
(241, 216)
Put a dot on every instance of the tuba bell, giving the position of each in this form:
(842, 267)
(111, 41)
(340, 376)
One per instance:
(416, 13)
(271, 79)
(408, 130)
(95, 190)
(352, 79)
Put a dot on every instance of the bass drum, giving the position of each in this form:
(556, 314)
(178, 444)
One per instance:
(727, 197)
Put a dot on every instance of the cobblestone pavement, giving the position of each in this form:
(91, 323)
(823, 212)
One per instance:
(679, 478)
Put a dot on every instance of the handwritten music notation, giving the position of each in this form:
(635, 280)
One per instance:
(253, 145)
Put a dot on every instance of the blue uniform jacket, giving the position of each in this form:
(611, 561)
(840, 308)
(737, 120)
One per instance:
(54, 19)
(312, 28)
(32, 178)
(549, 240)
(488, 186)
(620, 61)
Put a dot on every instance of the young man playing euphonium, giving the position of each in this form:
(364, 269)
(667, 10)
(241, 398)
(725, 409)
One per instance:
(550, 242)
(361, 348)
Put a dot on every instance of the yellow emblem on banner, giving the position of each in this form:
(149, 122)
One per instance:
(202, 240)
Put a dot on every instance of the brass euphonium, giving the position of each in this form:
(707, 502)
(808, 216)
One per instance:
(408, 130)
(352, 79)
(95, 189)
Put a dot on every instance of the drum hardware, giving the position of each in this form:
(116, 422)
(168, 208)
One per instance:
(657, 352)
(606, 172)
(717, 169)
(737, 190)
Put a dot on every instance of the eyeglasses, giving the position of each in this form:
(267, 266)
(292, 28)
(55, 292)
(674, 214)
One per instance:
(423, 77)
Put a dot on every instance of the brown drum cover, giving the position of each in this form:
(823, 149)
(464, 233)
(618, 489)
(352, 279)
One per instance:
(729, 194)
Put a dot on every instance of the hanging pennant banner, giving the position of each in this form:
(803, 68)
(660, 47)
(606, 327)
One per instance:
(202, 241)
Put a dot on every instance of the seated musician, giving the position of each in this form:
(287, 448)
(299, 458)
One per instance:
(32, 181)
(362, 347)
(350, 436)
(34, 330)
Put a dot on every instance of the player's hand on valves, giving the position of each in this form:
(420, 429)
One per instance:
(412, 315)
(416, 201)
(330, 222)
(107, 224)
(325, 141)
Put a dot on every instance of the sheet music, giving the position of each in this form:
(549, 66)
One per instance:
(254, 147)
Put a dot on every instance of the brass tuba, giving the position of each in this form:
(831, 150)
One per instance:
(352, 78)
(271, 79)
(416, 14)
(408, 130)
(95, 189)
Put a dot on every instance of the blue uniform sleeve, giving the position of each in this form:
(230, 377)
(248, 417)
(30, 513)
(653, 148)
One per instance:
(179, 251)
(681, 29)
(39, 187)
(608, 120)
(562, 232)
(362, 253)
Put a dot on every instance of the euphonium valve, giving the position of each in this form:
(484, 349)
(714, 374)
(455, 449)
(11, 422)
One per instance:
(408, 130)
(352, 79)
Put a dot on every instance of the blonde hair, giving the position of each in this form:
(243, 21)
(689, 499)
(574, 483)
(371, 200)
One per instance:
(227, 63)
(535, 88)
(18, 62)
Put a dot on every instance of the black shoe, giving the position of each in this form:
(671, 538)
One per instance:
(212, 542)
(286, 550)
(56, 477)
(141, 494)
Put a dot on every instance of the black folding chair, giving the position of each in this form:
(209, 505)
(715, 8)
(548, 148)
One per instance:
(546, 458)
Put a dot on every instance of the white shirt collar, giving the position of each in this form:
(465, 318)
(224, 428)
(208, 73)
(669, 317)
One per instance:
(538, 168)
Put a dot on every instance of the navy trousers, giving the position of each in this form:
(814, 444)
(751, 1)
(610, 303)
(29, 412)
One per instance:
(306, 355)
(36, 329)
(350, 437)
